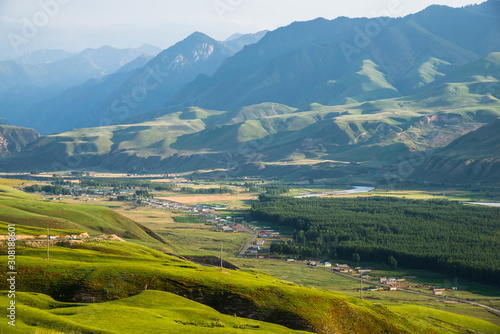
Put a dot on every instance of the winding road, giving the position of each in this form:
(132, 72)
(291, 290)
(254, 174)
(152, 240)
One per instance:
(497, 312)
(244, 249)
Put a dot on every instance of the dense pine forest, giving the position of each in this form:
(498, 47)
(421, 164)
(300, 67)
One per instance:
(449, 237)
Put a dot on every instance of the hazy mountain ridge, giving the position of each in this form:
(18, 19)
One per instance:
(144, 84)
(356, 111)
(374, 133)
(24, 85)
(291, 63)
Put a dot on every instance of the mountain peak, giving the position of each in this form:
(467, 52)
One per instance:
(198, 35)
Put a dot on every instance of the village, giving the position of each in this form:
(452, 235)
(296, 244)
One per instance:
(259, 244)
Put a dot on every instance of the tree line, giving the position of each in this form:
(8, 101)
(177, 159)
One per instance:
(438, 235)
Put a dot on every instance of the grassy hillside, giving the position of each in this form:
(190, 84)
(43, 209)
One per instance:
(160, 312)
(111, 271)
(96, 284)
(34, 215)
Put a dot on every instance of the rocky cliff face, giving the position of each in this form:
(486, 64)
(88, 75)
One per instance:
(14, 139)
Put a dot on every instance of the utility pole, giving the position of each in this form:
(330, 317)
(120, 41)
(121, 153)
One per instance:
(361, 285)
(48, 240)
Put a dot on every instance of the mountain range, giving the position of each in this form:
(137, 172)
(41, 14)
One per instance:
(44, 74)
(342, 60)
(143, 82)
(318, 98)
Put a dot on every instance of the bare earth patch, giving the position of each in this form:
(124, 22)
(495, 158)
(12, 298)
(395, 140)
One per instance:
(207, 198)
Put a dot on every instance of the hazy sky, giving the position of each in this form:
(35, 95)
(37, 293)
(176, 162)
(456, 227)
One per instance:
(27, 25)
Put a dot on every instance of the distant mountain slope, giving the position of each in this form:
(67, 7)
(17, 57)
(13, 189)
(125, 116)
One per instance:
(42, 56)
(22, 85)
(144, 84)
(156, 82)
(374, 133)
(238, 41)
(474, 157)
(301, 63)
(79, 106)
(14, 139)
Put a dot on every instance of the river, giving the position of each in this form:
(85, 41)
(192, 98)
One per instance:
(495, 205)
(355, 190)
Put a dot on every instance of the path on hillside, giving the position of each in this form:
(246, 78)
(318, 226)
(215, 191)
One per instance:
(419, 293)
(244, 249)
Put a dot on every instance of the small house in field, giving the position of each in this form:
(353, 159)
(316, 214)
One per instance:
(393, 288)
(438, 290)
(382, 279)
(260, 243)
(290, 260)
(327, 264)
(372, 289)
(342, 265)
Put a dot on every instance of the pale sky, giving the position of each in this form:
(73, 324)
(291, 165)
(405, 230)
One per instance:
(74, 25)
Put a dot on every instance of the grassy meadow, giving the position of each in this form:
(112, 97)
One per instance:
(118, 277)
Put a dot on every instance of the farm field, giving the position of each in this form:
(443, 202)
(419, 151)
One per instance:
(112, 271)
(319, 278)
(189, 237)
(435, 235)
(193, 237)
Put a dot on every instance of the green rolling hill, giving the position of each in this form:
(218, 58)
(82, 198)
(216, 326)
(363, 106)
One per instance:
(34, 215)
(102, 286)
(176, 315)
(373, 133)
